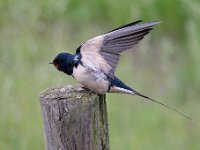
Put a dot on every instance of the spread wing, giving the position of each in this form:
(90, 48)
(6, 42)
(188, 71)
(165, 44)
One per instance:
(103, 52)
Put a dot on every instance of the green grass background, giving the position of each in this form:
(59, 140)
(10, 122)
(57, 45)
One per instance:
(165, 66)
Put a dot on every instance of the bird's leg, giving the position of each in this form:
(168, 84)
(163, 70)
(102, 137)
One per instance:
(87, 89)
(90, 91)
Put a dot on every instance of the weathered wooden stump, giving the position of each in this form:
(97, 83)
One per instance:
(74, 119)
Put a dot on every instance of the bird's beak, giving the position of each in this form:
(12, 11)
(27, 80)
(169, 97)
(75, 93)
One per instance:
(50, 62)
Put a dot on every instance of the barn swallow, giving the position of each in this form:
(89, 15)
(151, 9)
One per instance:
(95, 61)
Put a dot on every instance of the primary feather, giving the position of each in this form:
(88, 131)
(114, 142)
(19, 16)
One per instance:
(109, 45)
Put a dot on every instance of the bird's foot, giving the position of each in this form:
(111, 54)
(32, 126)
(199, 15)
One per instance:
(88, 90)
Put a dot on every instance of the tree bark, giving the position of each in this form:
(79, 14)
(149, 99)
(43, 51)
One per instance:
(74, 119)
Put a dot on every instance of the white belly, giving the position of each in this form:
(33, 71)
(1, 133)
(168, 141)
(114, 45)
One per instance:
(90, 79)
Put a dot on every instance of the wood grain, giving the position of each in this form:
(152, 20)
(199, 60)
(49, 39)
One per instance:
(74, 119)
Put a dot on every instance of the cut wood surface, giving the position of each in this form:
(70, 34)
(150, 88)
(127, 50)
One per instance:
(74, 119)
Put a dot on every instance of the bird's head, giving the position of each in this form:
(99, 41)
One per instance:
(64, 62)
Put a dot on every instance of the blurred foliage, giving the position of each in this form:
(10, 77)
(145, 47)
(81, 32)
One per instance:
(165, 65)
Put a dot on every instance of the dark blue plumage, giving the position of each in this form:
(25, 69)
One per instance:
(118, 83)
(95, 61)
(66, 62)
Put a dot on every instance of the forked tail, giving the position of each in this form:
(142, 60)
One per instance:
(117, 86)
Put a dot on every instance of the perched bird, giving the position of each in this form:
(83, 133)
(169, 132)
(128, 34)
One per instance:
(95, 61)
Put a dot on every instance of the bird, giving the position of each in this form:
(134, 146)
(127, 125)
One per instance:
(95, 61)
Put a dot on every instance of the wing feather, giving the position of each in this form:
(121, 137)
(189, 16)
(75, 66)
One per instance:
(112, 60)
(104, 50)
(130, 36)
(130, 24)
(130, 29)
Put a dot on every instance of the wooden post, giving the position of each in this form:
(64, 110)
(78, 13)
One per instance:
(74, 119)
